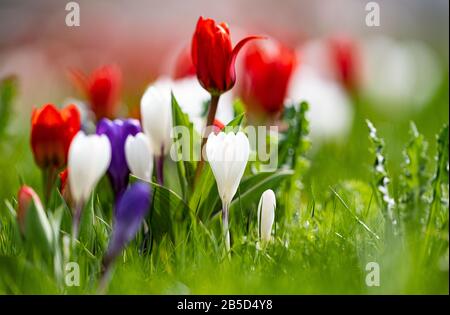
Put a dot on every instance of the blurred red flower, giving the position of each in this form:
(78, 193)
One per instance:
(102, 88)
(183, 65)
(52, 131)
(214, 57)
(345, 57)
(268, 67)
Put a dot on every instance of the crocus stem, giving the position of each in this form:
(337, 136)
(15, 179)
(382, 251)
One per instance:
(226, 231)
(160, 168)
(76, 222)
(209, 122)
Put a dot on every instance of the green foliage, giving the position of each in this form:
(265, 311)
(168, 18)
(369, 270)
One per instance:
(8, 90)
(414, 182)
(327, 228)
(292, 154)
(381, 182)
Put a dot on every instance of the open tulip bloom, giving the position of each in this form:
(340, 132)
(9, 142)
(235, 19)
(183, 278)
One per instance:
(228, 155)
(89, 158)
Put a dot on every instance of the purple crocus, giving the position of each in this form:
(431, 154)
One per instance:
(130, 212)
(117, 132)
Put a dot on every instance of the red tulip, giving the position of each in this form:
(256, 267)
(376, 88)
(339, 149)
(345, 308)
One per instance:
(103, 90)
(345, 58)
(214, 57)
(268, 68)
(52, 131)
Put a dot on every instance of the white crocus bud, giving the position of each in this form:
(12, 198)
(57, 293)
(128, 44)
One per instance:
(139, 156)
(156, 115)
(89, 158)
(228, 155)
(266, 215)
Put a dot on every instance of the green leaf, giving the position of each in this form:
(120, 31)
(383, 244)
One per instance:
(414, 180)
(8, 91)
(168, 212)
(295, 141)
(38, 230)
(19, 276)
(292, 150)
(438, 214)
(381, 181)
(187, 146)
(251, 189)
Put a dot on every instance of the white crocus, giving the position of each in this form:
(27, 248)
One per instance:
(228, 155)
(139, 156)
(330, 109)
(266, 215)
(156, 115)
(89, 158)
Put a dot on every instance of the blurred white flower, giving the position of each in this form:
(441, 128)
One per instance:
(331, 111)
(157, 113)
(139, 156)
(89, 158)
(266, 214)
(398, 75)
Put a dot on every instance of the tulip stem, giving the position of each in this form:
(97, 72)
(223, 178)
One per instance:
(49, 175)
(209, 122)
(226, 231)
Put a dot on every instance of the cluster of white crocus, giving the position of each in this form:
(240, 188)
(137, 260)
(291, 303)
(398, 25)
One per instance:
(156, 110)
(88, 160)
(139, 156)
(228, 155)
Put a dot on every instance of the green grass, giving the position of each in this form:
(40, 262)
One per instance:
(327, 229)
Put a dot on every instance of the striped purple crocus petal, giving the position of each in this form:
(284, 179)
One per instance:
(117, 132)
(130, 212)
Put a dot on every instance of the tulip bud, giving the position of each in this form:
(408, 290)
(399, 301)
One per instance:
(117, 132)
(139, 156)
(33, 221)
(52, 131)
(89, 158)
(156, 115)
(228, 155)
(266, 215)
(26, 197)
(131, 209)
(214, 57)
(268, 67)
